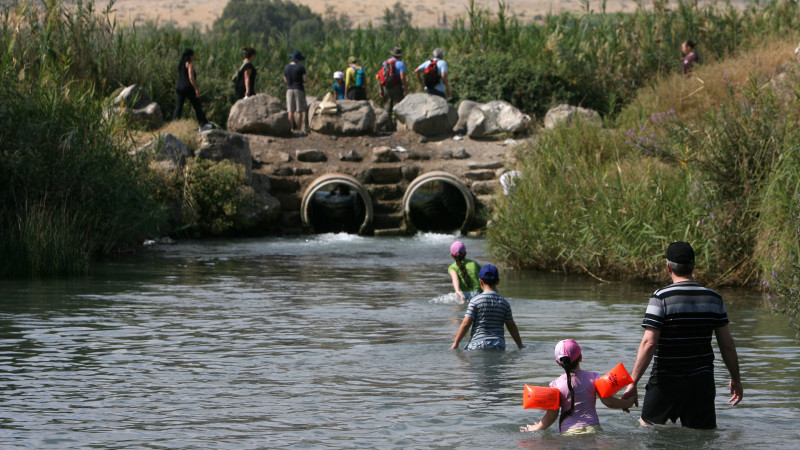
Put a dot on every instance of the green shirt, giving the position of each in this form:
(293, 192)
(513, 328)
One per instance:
(473, 269)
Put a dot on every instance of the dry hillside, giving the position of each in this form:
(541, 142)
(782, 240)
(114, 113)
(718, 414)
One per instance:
(424, 13)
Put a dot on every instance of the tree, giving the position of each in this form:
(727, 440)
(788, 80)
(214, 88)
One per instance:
(396, 18)
(267, 17)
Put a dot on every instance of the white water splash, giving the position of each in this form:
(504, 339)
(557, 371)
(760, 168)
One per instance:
(446, 299)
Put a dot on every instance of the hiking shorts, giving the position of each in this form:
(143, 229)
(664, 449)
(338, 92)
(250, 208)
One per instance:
(690, 399)
(296, 100)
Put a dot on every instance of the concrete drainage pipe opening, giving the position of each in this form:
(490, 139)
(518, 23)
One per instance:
(438, 202)
(337, 203)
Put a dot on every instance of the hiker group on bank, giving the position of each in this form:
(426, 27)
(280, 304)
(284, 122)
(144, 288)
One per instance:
(351, 84)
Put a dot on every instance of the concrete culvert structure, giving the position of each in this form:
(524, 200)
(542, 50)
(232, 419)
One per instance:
(438, 202)
(337, 203)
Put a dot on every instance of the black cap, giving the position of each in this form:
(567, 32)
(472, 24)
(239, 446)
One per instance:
(680, 252)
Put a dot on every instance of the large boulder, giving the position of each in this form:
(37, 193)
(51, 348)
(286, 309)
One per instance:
(167, 147)
(383, 123)
(464, 110)
(496, 118)
(351, 118)
(132, 97)
(150, 116)
(428, 115)
(135, 104)
(567, 114)
(259, 114)
(219, 145)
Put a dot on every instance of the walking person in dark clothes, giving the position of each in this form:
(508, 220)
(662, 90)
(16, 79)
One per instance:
(246, 76)
(186, 89)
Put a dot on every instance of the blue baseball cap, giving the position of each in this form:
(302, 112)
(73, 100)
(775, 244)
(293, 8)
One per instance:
(489, 273)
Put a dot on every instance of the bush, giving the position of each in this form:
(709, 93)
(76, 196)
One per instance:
(214, 196)
(492, 76)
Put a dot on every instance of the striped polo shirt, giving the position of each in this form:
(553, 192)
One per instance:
(489, 312)
(686, 313)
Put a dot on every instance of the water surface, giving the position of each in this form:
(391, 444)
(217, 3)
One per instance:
(337, 341)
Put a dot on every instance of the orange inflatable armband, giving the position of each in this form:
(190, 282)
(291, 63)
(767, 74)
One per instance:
(540, 397)
(613, 381)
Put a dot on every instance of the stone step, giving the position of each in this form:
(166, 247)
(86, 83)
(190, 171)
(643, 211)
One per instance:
(388, 206)
(387, 221)
(485, 187)
(385, 191)
(391, 232)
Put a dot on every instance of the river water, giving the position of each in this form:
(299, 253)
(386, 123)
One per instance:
(338, 341)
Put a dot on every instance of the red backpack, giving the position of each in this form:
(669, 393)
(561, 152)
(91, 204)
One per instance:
(431, 74)
(388, 75)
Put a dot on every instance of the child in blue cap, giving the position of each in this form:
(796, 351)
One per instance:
(486, 314)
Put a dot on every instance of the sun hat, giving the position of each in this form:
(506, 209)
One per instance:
(680, 252)
(458, 248)
(297, 56)
(489, 274)
(338, 75)
(352, 59)
(568, 348)
(397, 52)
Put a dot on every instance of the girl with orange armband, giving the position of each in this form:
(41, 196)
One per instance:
(578, 395)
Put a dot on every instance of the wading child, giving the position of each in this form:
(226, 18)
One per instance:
(578, 395)
(486, 315)
(464, 273)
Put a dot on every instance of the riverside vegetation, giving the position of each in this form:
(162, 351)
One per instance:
(711, 158)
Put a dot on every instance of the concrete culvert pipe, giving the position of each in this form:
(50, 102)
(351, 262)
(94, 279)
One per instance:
(438, 202)
(337, 203)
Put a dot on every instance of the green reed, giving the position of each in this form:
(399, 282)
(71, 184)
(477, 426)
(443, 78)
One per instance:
(587, 202)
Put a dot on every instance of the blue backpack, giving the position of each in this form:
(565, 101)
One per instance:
(360, 76)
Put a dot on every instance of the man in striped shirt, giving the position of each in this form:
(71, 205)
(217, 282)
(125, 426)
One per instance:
(678, 324)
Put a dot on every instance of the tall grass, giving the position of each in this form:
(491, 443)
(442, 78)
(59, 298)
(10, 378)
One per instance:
(44, 241)
(68, 190)
(721, 173)
(587, 202)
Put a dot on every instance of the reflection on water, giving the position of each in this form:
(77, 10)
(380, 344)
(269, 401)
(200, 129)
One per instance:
(337, 341)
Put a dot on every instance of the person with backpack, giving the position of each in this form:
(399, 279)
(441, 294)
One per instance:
(433, 75)
(355, 81)
(392, 77)
(245, 78)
